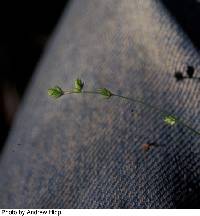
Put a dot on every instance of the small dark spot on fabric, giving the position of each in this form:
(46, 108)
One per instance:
(179, 76)
(147, 146)
(190, 71)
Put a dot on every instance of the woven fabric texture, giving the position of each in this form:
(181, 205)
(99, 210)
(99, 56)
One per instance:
(84, 151)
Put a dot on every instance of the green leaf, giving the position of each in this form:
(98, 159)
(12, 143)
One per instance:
(55, 92)
(105, 92)
(170, 120)
(78, 85)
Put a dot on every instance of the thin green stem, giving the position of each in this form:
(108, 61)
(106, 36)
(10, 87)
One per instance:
(143, 103)
(188, 127)
(136, 100)
(81, 92)
(158, 110)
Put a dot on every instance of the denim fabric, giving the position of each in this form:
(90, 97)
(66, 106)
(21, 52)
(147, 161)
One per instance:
(86, 152)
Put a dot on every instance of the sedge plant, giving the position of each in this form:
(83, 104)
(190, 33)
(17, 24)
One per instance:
(57, 92)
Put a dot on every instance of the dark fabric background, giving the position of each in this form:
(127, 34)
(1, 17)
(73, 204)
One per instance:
(84, 151)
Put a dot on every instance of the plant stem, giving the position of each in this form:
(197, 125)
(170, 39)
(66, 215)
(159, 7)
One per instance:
(136, 100)
(188, 127)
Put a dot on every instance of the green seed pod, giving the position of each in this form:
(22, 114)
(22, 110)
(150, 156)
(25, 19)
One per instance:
(55, 92)
(105, 92)
(78, 85)
(170, 120)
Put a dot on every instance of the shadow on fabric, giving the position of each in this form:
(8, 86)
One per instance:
(187, 14)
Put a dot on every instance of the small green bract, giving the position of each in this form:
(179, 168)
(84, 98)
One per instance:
(170, 120)
(78, 85)
(105, 92)
(55, 92)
